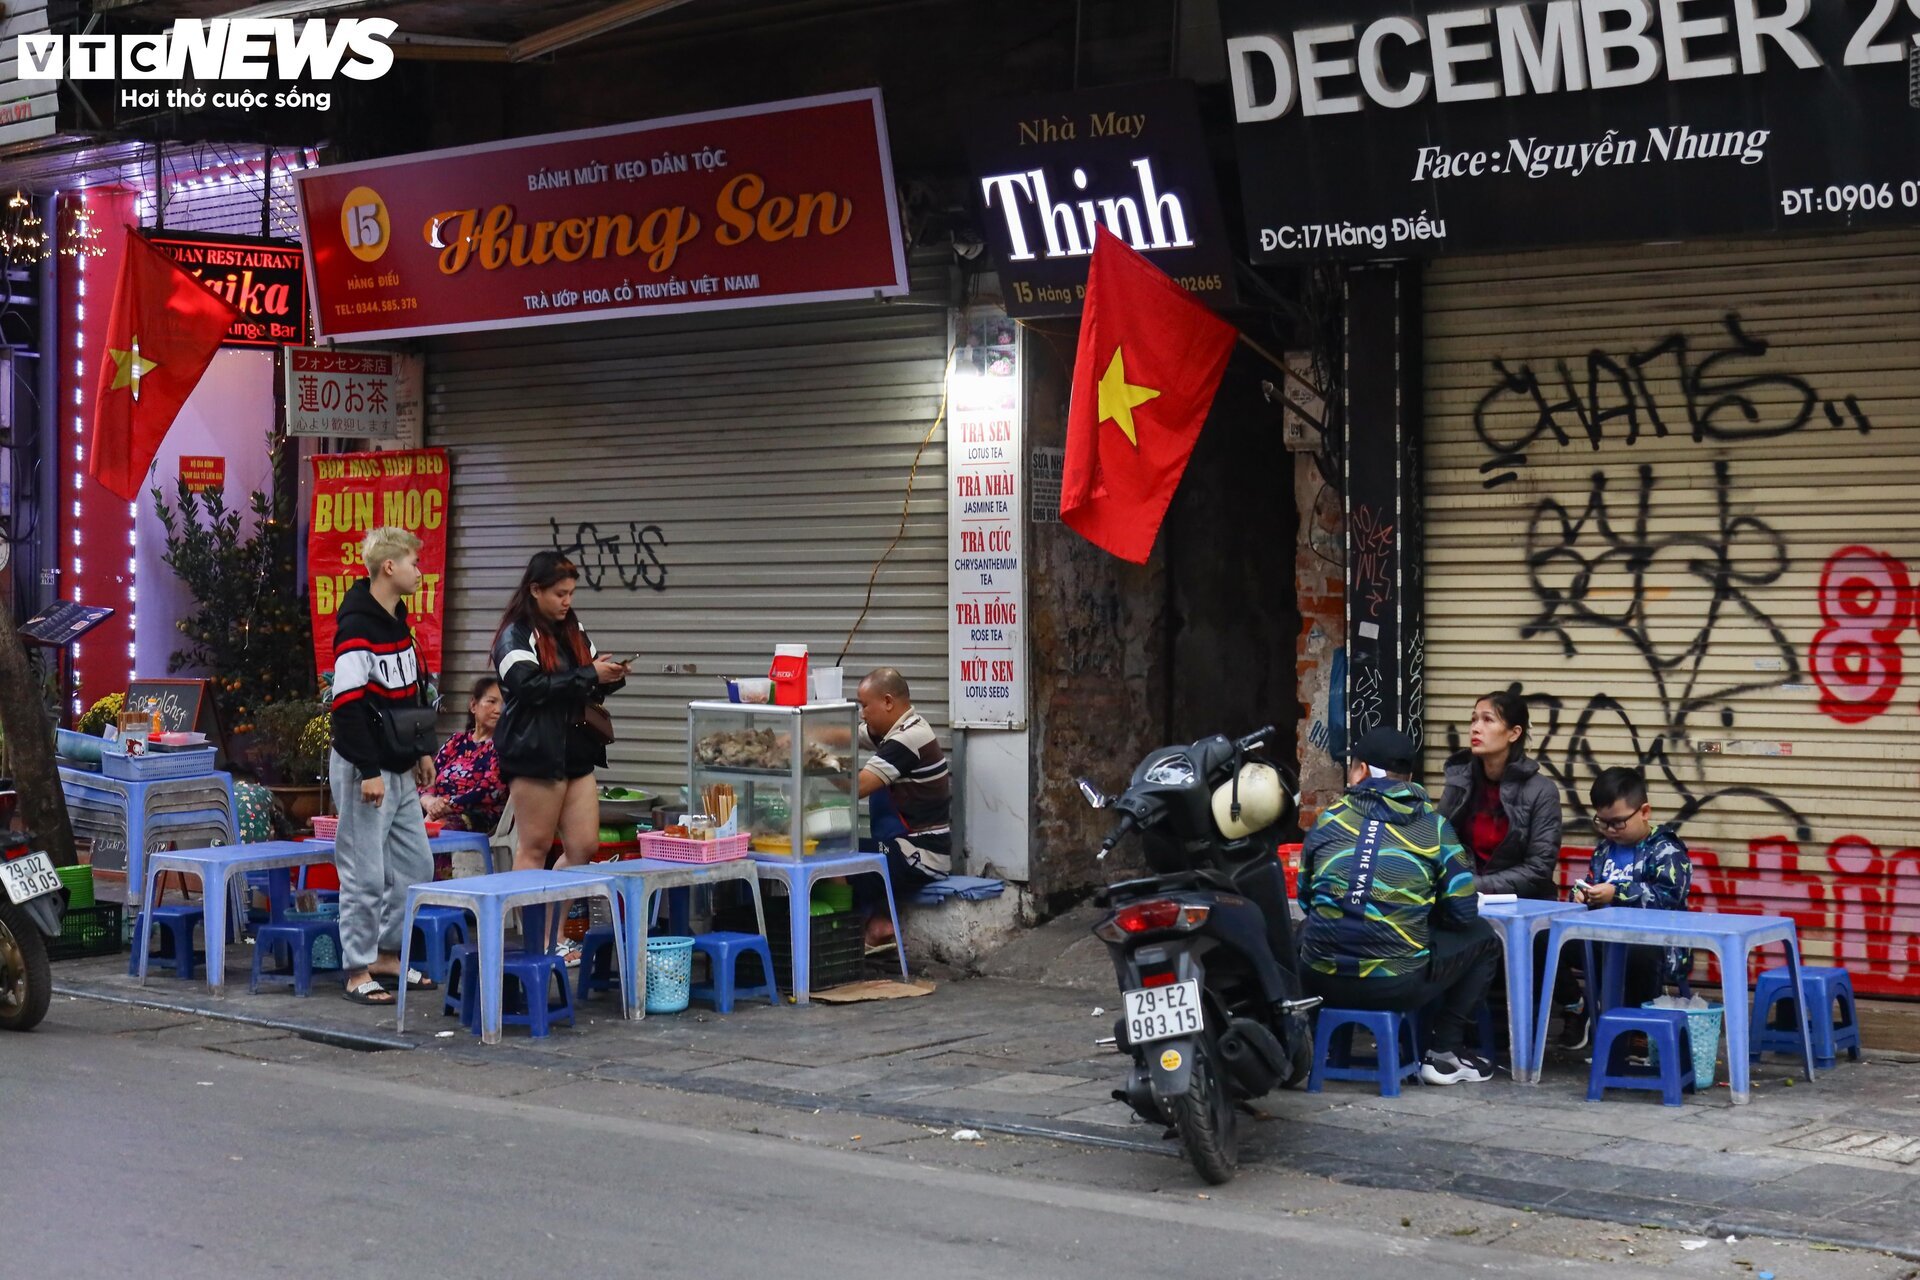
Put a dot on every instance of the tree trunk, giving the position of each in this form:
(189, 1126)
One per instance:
(23, 715)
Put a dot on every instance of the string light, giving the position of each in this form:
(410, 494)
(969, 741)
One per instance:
(81, 239)
(23, 235)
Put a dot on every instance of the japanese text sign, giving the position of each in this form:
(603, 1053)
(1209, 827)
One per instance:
(373, 395)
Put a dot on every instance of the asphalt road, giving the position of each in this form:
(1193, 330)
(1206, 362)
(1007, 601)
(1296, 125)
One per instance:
(129, 1158)
(142, 1143)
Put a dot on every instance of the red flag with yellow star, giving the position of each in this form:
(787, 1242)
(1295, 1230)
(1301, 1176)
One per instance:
(1151, 357)
(164, 331)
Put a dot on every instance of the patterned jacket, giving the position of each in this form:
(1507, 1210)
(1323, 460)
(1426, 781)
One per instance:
(1657, 873)
(1378, 873)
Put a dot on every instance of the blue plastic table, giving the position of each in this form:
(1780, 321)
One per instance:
(1731, 938)
(490, 898)
(638, 879)
(798, 874)
(1517, 924)
(216, 868)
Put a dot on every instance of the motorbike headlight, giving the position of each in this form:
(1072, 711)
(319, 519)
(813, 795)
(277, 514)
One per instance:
(1174, 771)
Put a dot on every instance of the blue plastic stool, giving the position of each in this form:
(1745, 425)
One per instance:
(1667, 1035)
(531, 970)
(298, 937)
(1334, 1032)
(597, 969)
(1775, 1032)
(439, 930)
(461, 990)
(724, 952)
(177, 921)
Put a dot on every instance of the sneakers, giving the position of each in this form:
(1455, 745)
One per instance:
(1458, 1067)
(1576, 1032)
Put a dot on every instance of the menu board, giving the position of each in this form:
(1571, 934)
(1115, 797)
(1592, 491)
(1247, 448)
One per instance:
(63, 623)
(986, 581)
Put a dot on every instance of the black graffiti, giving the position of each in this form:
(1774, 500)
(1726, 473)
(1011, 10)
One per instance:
(1591, 572)
(1611, 395)
(632, 560)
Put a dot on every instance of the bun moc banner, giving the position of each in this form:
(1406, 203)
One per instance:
(354, 493)
(752, 206)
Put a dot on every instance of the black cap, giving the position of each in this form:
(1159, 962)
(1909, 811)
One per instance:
(1387, 749)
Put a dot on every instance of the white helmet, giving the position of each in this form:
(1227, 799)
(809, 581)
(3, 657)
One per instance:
(1263, 801)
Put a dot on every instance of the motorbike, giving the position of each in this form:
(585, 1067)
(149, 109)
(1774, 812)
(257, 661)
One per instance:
(32, 906)
(1213, 1015)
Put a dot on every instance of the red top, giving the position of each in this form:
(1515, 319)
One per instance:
(1484, 825)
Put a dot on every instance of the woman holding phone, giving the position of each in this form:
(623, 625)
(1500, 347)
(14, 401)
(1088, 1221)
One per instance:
(553, 731)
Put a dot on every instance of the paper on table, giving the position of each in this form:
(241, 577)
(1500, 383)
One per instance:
(1495, 899)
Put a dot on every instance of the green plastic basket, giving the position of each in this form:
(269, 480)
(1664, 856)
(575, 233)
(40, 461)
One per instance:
(1703, 1030)
(669, 974)
(79, 883)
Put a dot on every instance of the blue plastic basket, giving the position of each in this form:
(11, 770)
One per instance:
(669, 974)
(326, 954)
(1703, 1030)
(155, 765)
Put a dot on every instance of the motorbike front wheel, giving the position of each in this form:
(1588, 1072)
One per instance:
(1205, 1119)
(26, 984)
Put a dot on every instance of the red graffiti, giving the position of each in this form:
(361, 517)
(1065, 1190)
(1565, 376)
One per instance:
(1866, 601)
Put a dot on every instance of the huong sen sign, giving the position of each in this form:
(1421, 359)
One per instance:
(1381, 129)
(1132, 158)
(785, 202)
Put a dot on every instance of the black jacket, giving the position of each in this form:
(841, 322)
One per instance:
(1527, 861)
(543, 708)
(375, 668)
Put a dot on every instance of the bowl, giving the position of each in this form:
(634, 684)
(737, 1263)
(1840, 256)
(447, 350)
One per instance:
(435, 828)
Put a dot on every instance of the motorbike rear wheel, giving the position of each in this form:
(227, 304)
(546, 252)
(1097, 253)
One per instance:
(26, 983)
(1205, 1118)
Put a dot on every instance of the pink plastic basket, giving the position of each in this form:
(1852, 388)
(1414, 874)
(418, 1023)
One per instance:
(326, 828)
(677, 849)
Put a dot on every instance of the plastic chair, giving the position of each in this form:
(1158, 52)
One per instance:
(298, 937)
(1667, 1035)
(1773, 1029)
(438, 930)
(177, 921)
(1396, 1058)
(724, 952)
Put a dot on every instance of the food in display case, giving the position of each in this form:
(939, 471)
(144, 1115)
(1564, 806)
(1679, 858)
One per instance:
(762, 749)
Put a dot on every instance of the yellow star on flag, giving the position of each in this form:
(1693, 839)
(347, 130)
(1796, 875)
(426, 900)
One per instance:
(129, 367)
(1118, 398)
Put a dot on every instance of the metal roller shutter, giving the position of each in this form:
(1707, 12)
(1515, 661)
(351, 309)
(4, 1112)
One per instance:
(725, 481)
(1672, 491)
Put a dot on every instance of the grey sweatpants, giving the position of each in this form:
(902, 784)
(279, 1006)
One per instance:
(378, 853)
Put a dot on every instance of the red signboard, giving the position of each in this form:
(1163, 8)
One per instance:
(202, 474)
(260, 277)
(354, 493)
(784, 202)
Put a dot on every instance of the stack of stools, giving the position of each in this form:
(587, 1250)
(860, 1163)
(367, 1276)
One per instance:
(1774, 1010)
(127, 820)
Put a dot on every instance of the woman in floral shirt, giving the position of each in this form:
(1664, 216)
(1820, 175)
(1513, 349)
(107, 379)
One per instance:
(467, 794)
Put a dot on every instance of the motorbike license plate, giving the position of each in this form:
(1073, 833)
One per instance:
(1161, 1013)
(27, 878)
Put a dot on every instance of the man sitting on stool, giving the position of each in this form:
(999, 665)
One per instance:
(909, 769)
(1393, 922)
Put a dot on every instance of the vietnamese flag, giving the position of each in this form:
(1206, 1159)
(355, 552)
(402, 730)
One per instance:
(162, 334)
(1151, 357)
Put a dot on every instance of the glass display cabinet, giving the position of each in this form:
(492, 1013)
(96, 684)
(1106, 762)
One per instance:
(787, 771)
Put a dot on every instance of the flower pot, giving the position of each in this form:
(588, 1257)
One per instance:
(302, 804)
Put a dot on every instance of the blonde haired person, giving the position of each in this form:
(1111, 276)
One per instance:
(382, 757)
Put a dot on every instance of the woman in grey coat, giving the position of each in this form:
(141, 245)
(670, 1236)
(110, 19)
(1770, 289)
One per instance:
(1505, 811)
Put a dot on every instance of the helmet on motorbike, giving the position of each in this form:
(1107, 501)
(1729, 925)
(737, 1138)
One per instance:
(1263, 801)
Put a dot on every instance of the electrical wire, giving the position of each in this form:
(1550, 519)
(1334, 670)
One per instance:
(906, 507)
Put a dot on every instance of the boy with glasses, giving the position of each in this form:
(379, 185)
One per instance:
(1634, 865)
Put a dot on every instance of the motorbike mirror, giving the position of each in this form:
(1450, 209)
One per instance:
(1095, 797)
